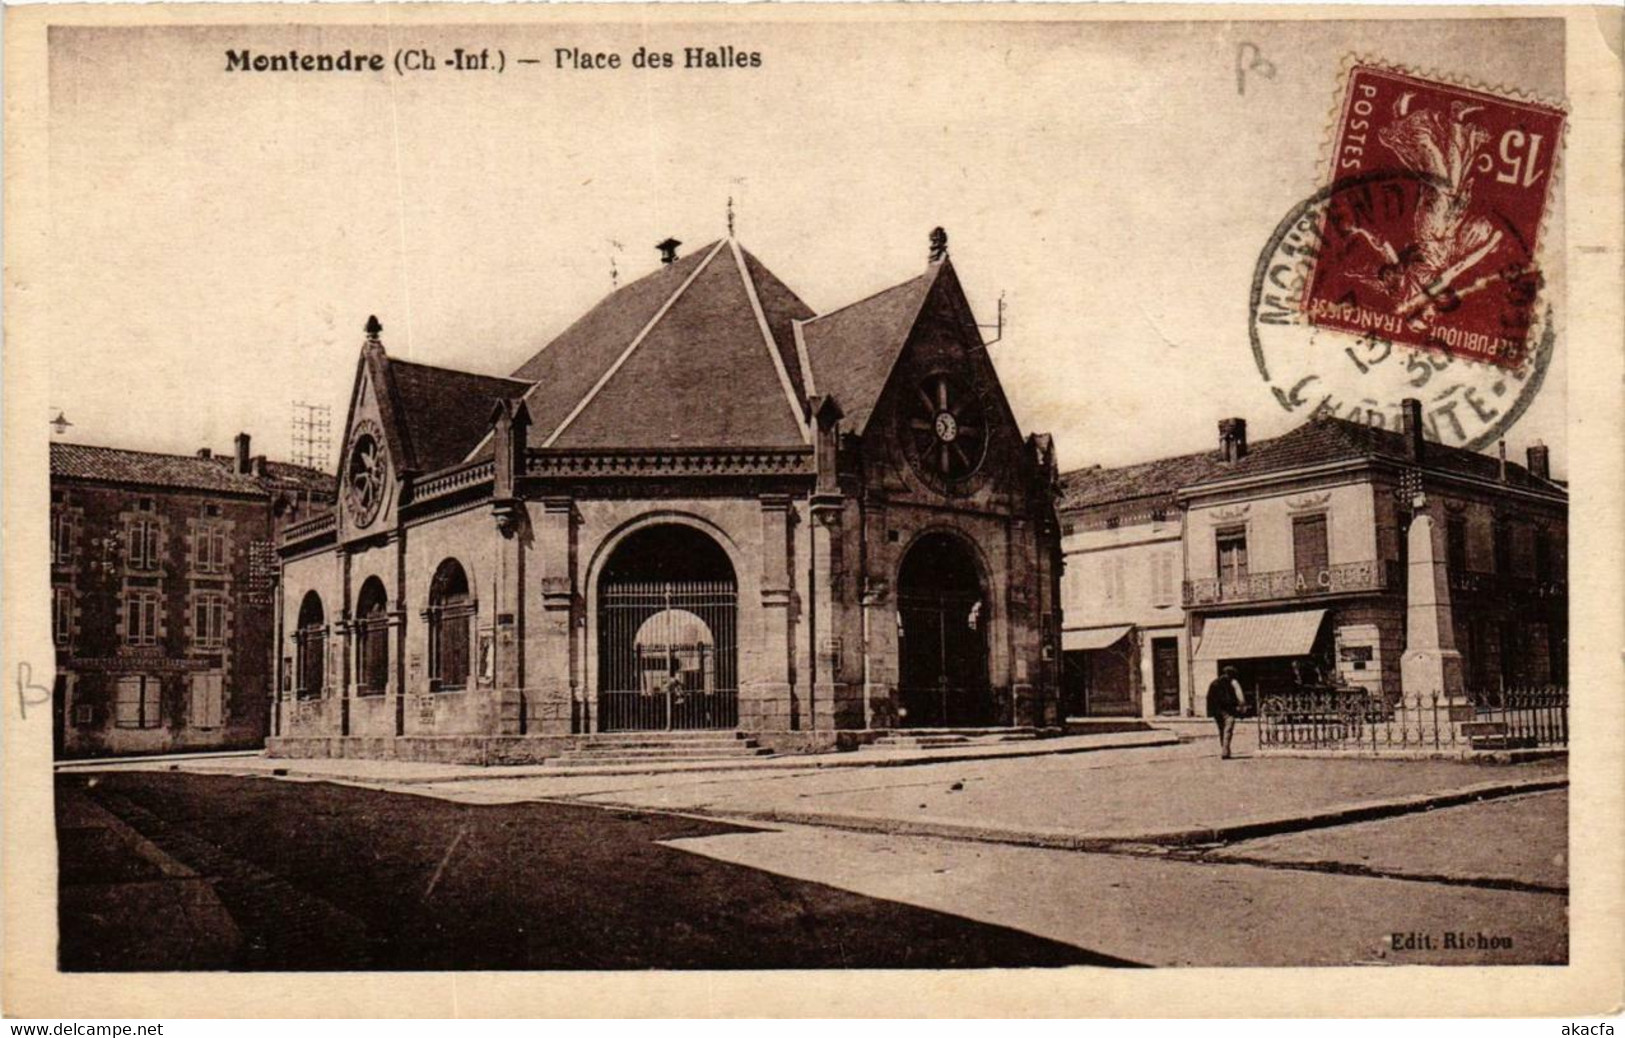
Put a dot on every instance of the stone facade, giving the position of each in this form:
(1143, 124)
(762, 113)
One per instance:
(808, 492)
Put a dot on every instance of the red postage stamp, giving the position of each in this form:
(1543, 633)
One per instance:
(1429, 236)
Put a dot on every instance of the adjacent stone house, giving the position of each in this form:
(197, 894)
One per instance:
(163, 595)
(1293, 560)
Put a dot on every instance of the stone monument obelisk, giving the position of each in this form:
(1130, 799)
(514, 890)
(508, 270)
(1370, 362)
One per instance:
(1431, 663)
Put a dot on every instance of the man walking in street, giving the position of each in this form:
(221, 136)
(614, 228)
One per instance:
(1225, 700)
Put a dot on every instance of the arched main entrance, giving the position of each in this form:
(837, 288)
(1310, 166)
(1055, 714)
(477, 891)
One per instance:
(667, 633)
(942, 609)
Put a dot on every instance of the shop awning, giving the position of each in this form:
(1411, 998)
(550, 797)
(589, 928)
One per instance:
(1249, 637)
(1098, 638)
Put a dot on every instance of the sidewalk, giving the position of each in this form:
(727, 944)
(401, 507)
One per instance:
(397, 772)
(1162, 795)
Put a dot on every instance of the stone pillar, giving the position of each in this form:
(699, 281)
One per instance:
(560, 706)
(769, 704)
(880, 646)
(826, 593)
(1431, 663)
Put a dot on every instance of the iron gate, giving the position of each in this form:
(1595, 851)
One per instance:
(667, 656)
(944, 661)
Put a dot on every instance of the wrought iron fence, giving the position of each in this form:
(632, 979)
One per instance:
(667, 656)
(1359, 721)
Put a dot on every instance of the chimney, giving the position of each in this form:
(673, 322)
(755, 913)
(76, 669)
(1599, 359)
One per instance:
(205, 453)
(256, 464)
(668, 251)
(1410, 425)
(1233, 438)
(242, 454)
(1501, 471)
(1540, 461)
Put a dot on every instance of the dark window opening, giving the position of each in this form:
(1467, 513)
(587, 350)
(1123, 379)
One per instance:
(451, 610)
(1232, 551)
(372, 639)
(310, 667)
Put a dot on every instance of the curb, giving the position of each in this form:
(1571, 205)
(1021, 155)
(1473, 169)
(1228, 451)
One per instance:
(1117, 842)
(287, 768)
(792, 762)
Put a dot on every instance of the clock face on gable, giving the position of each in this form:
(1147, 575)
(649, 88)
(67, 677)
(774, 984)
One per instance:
(945, 431)
(366, 473)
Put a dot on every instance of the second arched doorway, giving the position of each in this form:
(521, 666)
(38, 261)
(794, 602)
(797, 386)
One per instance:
(667, 633)
(942, 643)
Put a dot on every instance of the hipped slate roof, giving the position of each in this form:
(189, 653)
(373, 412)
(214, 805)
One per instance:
(852, 350)
(1318, 441)
(215, 474)
(699, 353)
(446, 413)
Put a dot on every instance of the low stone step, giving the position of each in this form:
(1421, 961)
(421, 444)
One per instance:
(595, 760)
(916, 733)
(694, 735)
(663, 753)
(657, 743)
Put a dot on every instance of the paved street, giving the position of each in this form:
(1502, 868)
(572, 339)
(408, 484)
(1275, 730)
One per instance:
(928, 865)
(312, 876)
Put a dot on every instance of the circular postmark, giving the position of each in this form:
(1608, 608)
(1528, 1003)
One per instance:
(1349, 357)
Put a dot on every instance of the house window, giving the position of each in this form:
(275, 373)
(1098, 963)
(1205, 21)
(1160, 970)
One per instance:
(1232, 552)
(372, 639)
(209, 549)
(1162, 578)
(142, 544)
(61, 538)
(1543, 556)
(209, 620)
(1502, 534)
(450, 610)
(137, 705)
(1309, 553)
(208, 699)
(311, 647)
(1455, 537)
(61, 615)
(141, 617)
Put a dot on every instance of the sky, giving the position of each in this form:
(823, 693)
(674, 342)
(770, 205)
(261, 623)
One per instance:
(219, 238)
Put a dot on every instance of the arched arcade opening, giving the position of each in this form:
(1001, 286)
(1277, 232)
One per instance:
(668, 604)
(943, 618)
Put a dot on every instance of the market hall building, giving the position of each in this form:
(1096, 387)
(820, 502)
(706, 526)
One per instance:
(700, 507)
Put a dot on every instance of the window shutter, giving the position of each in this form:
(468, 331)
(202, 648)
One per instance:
(208, 693)
(127, 708)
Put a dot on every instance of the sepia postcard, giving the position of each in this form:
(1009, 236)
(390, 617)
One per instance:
(813, 510)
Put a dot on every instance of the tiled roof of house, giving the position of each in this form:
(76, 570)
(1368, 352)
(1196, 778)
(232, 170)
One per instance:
(286, 476)
(1317, 441)
(853, 350)
(678, 358)
(447, 412)
(1084, 488)
(1327, 439)
(216, 474)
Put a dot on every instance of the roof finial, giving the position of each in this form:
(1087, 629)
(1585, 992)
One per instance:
(730, 216)
(373, 328)
(939, 245)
